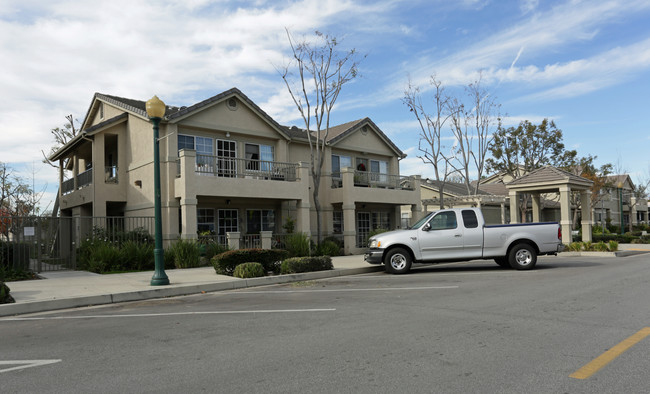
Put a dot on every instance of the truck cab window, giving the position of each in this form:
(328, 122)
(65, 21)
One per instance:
(443, 221)
(469, 218)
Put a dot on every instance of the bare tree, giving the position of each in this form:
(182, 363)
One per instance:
(321, 71)
(16, 197)
(61, 137)
(473, 127)
(431, 130)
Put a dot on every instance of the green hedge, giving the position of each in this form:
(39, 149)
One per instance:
(624, 239)
(225, 263)
(249, 270)
(296, 265)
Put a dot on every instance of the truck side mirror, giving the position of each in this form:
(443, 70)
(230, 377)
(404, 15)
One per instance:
(426, 227)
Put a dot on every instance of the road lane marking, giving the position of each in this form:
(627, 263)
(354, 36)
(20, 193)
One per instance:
(168, 314)
(22, 364)
(344, 290)
(607, 357)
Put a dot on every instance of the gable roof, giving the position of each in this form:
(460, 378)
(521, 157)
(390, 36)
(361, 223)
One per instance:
(614, 180)
(342, 131)
(86, 133)
(550, 175)
(453, 188)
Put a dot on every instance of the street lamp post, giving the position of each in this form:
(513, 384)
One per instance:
(156, 110)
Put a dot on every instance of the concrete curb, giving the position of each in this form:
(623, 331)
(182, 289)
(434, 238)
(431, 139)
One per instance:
(174, 291)
(620, 253)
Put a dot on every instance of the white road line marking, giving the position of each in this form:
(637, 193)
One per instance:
(344, 290)
(22, 364)
(167, 314)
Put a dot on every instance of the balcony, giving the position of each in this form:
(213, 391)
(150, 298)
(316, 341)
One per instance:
(83, 179)
(376, 180)
(362, 186)
(230, 177)
(231, 167)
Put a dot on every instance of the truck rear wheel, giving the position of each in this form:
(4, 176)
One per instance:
(522, 257)
(398, 261)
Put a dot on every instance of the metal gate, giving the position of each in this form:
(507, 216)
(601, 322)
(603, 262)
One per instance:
(37, 243)
(44, 244)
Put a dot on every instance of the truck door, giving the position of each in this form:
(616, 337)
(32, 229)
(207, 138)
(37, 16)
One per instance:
(441, 238)
(472, 235)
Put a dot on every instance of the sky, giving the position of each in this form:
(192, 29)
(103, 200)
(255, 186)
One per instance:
(583, 64)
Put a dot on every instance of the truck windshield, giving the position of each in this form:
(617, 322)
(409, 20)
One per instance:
(420, 222)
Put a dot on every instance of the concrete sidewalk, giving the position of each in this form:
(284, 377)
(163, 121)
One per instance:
(71, 289)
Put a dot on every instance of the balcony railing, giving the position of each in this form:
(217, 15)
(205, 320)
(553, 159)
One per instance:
(231, 167)
(377, 180)
(83, 179)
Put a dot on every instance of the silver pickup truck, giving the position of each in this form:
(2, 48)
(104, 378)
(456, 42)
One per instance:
(460, 234)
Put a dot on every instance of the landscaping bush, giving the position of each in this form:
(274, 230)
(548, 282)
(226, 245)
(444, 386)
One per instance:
(328, 248)
(184, 254)
(225, 263)
(297, 244)
(249, 270)
(105, 257)
(135, 256)
(600, 247)
(574, 247)
(214, 248)
(612, 246)
(295, 265)
(5, 297)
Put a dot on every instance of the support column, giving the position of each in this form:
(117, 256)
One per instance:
(397, 215)
(233, 240)
(266, 238)
(536, 208)
(302, 217)
(587, 222)
(565, 214)
(417, 212)
(503, 213)
(188, 215)
(349, 228)
(514, 207)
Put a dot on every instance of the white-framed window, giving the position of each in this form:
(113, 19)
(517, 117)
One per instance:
(339, 162)
(205, 219)
(363, 229)
(204, 151)
(259, 220)
(228, 221)
(337, 222)
(226, 158)
(258, 157)
(380, 220)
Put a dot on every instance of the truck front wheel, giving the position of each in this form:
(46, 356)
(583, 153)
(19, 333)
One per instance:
(398, 261)
(522, 257)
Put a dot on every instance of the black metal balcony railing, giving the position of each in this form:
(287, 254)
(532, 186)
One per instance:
(374, 179)
(231, 167)
(83, 179)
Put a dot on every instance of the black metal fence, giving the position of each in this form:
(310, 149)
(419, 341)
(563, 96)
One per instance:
(50, 244)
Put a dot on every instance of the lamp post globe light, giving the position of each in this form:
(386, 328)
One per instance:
(156, 111)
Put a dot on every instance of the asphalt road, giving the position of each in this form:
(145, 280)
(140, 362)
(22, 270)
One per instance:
(454, 328)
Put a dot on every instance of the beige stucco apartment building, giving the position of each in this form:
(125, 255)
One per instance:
(228, 168)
